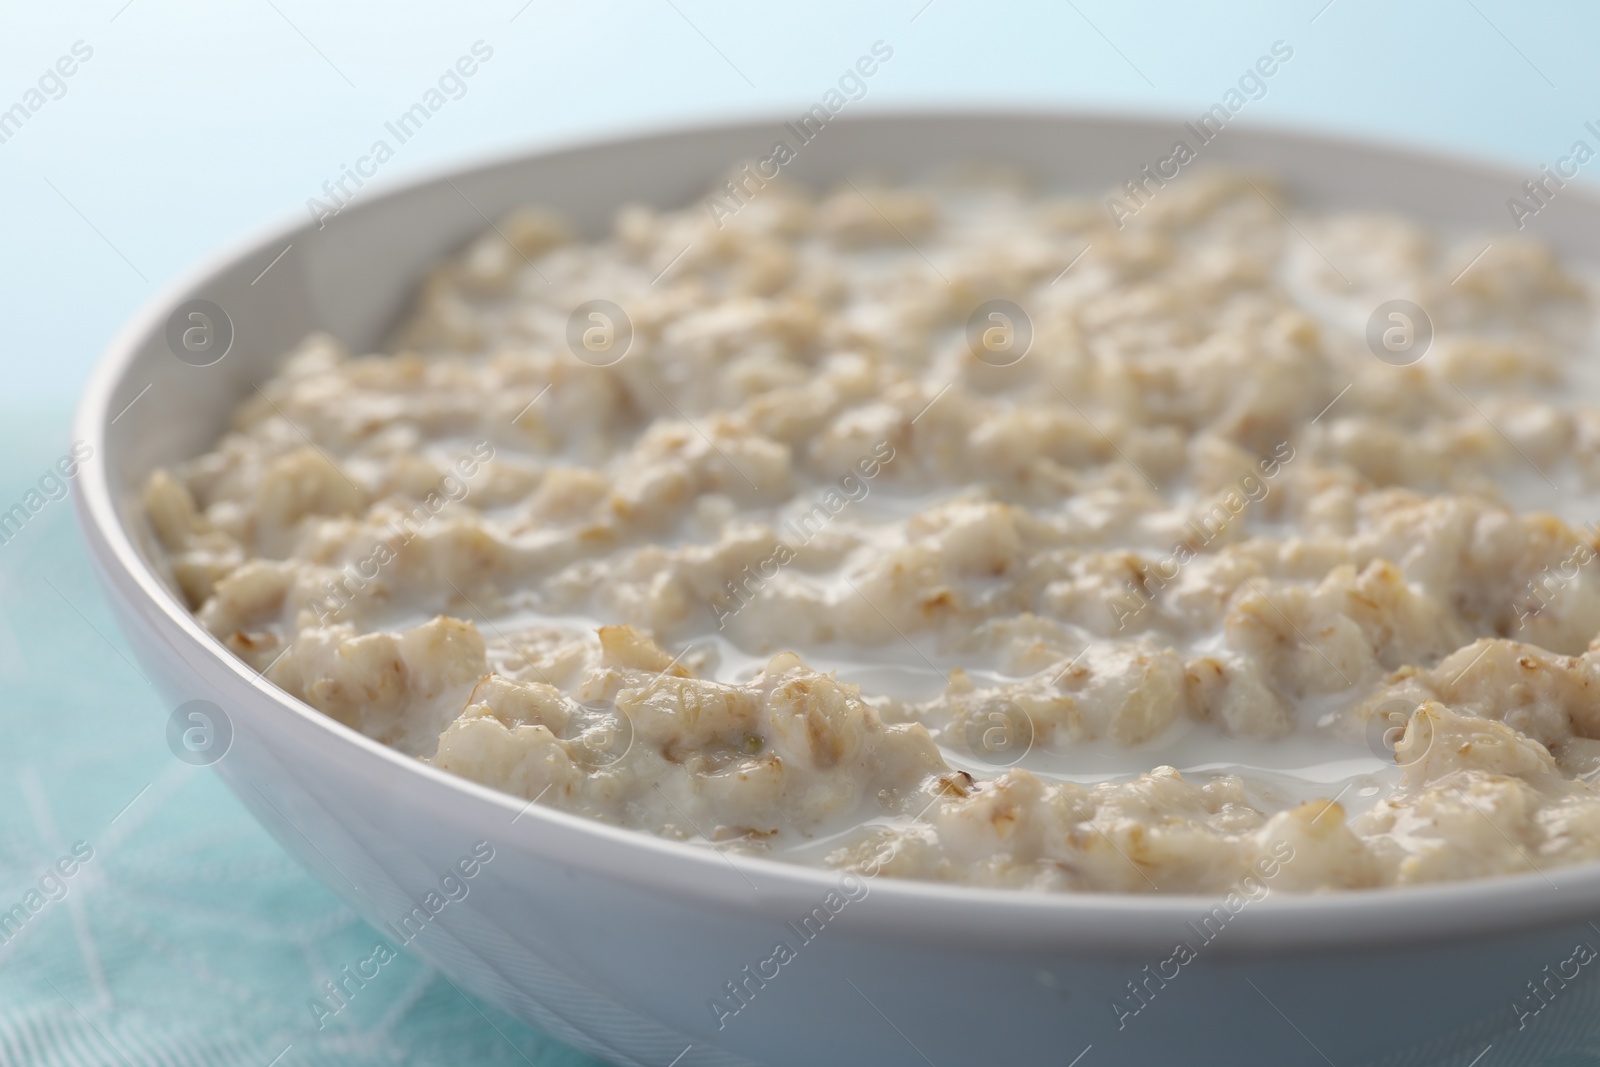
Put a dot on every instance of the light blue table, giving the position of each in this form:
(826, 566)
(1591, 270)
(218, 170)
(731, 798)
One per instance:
(189, 936)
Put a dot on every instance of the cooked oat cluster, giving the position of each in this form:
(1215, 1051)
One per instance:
(950, 531)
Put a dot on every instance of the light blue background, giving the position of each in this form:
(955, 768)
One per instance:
(195, 123)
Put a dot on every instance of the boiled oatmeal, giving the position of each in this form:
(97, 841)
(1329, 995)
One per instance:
(953, 531)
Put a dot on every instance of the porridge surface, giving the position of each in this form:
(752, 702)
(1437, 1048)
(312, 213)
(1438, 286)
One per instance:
(1147, 578)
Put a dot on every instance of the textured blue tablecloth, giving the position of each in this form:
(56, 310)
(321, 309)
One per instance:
(188, 936)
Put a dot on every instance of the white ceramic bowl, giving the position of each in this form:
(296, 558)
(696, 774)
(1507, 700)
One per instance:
(615, 941)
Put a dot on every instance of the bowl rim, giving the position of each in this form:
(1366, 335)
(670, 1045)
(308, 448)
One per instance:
(1282, 922)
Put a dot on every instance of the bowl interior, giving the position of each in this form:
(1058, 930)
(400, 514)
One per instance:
(351, 274)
